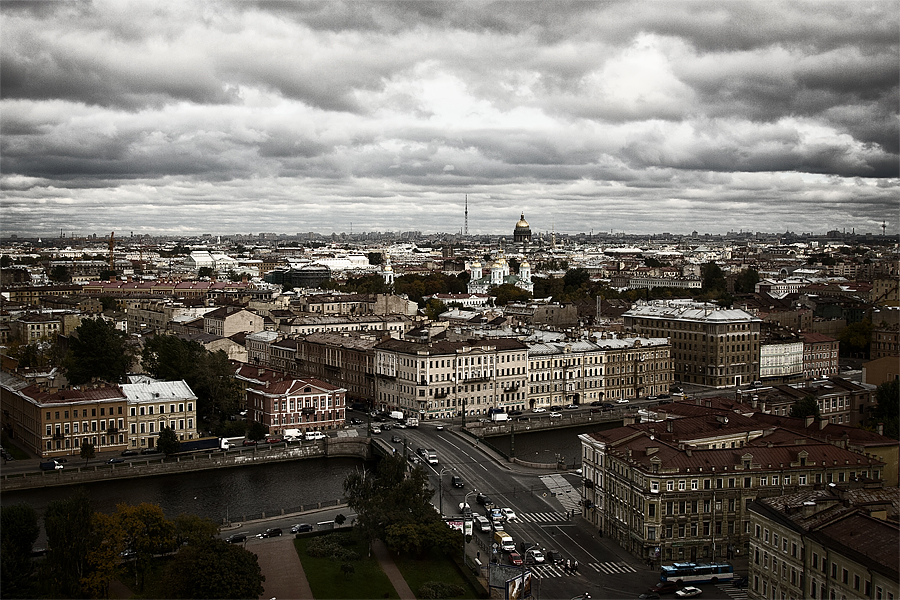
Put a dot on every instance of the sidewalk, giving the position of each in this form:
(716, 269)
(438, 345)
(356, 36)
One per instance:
(282, 568)
(390, 569)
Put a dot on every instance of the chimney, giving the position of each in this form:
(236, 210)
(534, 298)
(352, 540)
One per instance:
(669, 427)
(880, 428)
(822, 424)
(810, 419)
(687, 450)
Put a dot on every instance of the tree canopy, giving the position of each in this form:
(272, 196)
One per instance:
(97, 350)
(168, 442)
(208, 374)
(395, 505)
(67, 522)
(888, 409)
(214, 569)
(807, 406)
(19, 524)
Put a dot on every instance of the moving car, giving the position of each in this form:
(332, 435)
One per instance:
(483, 499)
(154, 450)
(536, 555)
(555, 415)
(622, 400)
(571, 406)
(688, 592)
(301, 528)
(439, 427)
(115, 460)
(515, 559)
(457, 481)
(271, 532)
(248, 443)
(554, 557)
(236, 538)
(649, 596)
(129, 453)
(376, 430)
(396, 439)
(538, 410)
(664, 587)
(482, 523)
(509, 514)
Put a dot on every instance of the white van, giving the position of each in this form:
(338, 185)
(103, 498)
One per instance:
(482, 523)
(312, 436)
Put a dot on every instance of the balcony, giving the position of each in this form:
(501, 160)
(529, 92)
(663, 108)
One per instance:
(440, 395)
(112, 431)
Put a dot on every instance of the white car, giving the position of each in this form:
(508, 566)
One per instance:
(509, 514)
(555, 415)
(538, 410)
(622, 400)
(536, 555)
(482, 523)
(688, 592)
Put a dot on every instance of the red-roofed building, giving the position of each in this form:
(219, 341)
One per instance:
(679, 490)
(281, 401)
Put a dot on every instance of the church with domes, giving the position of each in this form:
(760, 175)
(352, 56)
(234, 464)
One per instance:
(483, 278)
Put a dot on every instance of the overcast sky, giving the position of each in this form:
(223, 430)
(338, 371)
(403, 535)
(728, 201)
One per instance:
(216, 117)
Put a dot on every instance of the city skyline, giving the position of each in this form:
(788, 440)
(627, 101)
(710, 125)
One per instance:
(189, 118)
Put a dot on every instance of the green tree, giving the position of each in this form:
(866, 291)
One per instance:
(107, 541)
(168, 442)
(256, 431)
(805, 407)
(375, 258)
(193, 529)
(204, 272)
(389, 498)
(434, 308)
(208, 374)
(97, 350)
(214, 569)
(507, 293)
(652, 262)
(87, 451)
(20, 529)
(713, 278)
(746, 280)
(108, 303)
(855, 338)
(67, 522)
(888, 409)
(146, 532)
(60, 274)
(5, 261)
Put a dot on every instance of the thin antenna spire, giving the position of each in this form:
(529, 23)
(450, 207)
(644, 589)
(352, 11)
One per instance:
(466, 226)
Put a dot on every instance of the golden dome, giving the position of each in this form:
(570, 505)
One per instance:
(522, 224)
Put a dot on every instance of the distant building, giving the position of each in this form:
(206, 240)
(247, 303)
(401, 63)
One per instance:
(820, 356)
(154, 405)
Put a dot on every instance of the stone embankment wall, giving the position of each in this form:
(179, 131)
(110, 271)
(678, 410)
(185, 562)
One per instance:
(199, 461)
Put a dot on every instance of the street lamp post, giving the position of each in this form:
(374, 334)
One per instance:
(466, 515)
(441, 488)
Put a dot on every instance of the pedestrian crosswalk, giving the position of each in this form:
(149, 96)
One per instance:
(559, 486)
(611, 568)
(733, 592)
(541, 517)
(547, 570)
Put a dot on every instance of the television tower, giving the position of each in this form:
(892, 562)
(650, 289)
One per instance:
(466, 226)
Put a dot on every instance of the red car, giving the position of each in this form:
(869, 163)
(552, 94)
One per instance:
(249, 442)
(515, 559)
(664, 587)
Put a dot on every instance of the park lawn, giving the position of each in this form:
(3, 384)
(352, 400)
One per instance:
(433, 567)
(328, 581)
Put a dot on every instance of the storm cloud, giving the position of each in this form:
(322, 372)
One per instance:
(195, 117)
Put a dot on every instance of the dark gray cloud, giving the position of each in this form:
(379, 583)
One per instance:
(298, 116)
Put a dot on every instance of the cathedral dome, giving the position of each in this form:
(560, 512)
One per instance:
(523, 224)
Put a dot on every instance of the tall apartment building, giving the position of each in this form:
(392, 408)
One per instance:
(840, 400)
(680, 490)
(602, 369)
(710, 346)
(346, 360)
(831, 542)
(445, 379)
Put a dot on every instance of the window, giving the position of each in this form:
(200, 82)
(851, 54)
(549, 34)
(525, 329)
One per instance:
(681, 485)
(845, 576)
(694, 484)
(801, 479)
(651, 533)
(670, 485)
(747, 482)
(651, 510)
(654, 486)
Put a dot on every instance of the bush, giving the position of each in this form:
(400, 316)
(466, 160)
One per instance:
(439, 589)
(326, 547)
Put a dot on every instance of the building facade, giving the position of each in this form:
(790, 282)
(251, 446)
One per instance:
(155, 405)
(820, 356)
(710, 346)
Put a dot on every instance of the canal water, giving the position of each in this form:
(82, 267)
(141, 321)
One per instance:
(548, 446)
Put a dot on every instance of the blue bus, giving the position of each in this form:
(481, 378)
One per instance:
(697, 572)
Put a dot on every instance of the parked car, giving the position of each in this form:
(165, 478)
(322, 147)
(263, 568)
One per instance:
(129, 453)
(515, 413)
(115, 460)
(555, 415)
(622, 400)
(688, 591)
(538, 410)
(301, 528)
(273, 440)
(150, 451)
(62, 459)
(515, 559)
(376, 430)
(457, 481)
(596, 403)
(571, 406)
(236, 538)
(249, 442)
(271, 532)
(649, 596)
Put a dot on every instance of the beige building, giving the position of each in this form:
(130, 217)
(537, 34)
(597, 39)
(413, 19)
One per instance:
(584, 371)
(679, 490)
(155, 405)
(831, 542)
(445, 379)
(229, 320)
